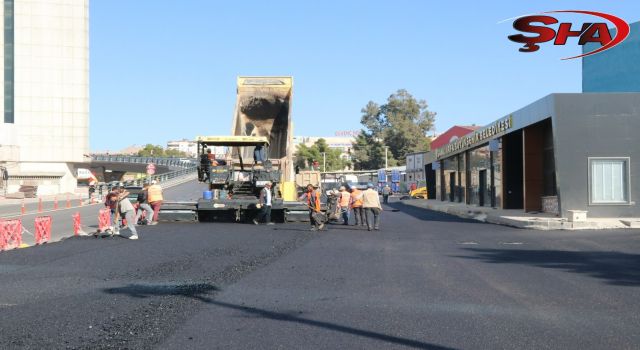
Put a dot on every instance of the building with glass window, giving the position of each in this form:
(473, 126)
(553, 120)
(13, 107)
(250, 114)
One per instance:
(45, 126)
(563, 152)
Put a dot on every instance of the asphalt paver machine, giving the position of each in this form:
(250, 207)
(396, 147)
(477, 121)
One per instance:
(235, 182)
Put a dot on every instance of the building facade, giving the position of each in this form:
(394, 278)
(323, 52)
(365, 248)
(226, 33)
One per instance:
(184, 145)
(45, 126)
(614, 70)
(415, 169)
(191, 148)
(342, 143)
(563, 152)
(454, 133)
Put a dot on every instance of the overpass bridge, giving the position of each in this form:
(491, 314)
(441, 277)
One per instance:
(109, 168)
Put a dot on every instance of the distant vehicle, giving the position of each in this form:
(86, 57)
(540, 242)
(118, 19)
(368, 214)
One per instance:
(420, 192)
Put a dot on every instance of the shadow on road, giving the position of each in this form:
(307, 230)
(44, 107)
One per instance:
(426, 214)
(615, 268)
(204, 293)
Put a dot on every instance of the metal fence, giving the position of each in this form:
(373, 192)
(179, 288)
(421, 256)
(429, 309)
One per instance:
(187, 168)
(161, 178)
(172, 162)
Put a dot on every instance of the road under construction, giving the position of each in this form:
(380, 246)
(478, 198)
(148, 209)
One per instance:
(426, 280)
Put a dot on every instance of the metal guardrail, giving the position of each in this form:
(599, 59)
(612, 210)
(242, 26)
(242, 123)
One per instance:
(172, 162)
(188, 168)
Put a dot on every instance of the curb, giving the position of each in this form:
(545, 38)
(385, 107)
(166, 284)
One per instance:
(542, 224)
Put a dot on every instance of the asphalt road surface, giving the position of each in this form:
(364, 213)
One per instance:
(424, 281)
(62, 218)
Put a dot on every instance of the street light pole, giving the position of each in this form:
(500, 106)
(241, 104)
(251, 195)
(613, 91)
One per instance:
(324, 161)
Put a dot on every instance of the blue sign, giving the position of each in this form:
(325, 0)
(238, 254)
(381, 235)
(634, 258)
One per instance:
(382, 175)
(395, 176)
(435, 165)
(494, 145)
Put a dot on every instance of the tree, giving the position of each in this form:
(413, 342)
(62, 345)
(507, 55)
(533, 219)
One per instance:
(150, 150)
(368, 153)
(306, 155)
(401, 124)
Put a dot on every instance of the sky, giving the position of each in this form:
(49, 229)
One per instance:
(164, 70)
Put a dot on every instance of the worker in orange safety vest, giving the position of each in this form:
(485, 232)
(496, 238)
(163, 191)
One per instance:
(356, 206)
(155, 200)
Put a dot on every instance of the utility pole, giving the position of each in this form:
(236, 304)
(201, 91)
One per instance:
(386, 163)
(324, 161)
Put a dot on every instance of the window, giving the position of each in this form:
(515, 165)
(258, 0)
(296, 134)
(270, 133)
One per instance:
(609, 180)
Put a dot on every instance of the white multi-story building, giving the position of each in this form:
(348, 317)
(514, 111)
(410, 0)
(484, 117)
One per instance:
(344, 144)
(44, 130)
(186, 146)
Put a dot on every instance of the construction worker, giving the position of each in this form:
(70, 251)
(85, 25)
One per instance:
(111, 203)
(205, 166)
(126, 210)
(265, 205)
(312, 197)
(155, 200)
(356, 206)
(258, 154)
(371, 205)
(386, 191)
(344, 203)
(143, 205)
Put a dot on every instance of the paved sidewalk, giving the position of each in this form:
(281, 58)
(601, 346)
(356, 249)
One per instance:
(519, 219)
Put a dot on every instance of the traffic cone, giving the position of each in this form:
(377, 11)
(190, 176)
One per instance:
(68, 202)
(55, 203)
(23, 209)
(40, 205)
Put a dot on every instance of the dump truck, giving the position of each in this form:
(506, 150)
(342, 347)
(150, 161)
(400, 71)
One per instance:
(263, 109)
(259, 149)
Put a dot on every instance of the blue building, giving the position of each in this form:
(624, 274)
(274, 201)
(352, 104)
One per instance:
(614, 70)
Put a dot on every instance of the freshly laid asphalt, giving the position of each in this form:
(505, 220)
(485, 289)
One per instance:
(426, 280)
(62, 218)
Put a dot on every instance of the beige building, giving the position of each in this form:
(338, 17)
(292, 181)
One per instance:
(45, 126)
(191, 148)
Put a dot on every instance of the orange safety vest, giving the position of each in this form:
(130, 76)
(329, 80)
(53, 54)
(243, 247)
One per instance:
(155, 193)
(313, 200)
(344, 199)
(357, 202)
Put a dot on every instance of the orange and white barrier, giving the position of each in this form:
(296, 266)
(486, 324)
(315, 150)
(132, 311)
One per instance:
(77, 224)
(43, 229)
(104, 219)
(10, 234)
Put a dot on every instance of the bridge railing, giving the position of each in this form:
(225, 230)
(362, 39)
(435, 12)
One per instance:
(187, 170)
(172, 162)
(166, 180)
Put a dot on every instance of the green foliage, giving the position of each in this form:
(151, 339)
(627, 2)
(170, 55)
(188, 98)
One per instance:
(369, 154)
(306, 155)
(401, 124)
(150, 150)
